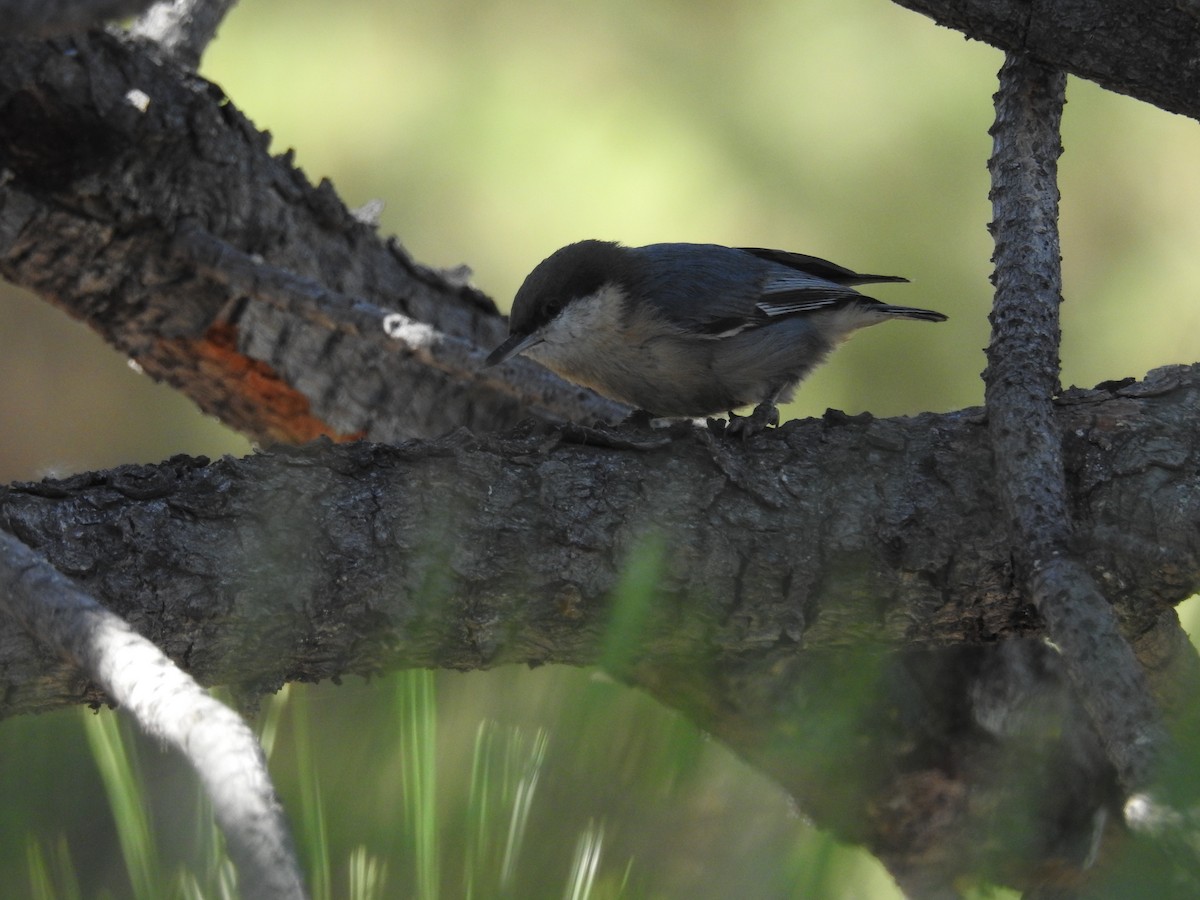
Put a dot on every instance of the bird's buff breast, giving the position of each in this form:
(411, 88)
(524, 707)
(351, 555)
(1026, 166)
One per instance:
(637, 360)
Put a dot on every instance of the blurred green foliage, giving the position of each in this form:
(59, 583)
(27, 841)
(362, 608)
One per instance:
(495, 133)
(543, 781)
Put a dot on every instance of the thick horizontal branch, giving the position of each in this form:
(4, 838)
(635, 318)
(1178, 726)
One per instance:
(1146, 49)
(470, 551)
(760, 588)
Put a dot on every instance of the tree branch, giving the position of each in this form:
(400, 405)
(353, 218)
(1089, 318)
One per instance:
(1022, 379)
(1142, 49)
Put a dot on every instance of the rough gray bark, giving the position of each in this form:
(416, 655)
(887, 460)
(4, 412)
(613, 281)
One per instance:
(1021, 381)
(831, 603)
(168, 705)
(1145, 49)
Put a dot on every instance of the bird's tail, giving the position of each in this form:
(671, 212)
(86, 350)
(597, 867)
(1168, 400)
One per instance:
(887, 311)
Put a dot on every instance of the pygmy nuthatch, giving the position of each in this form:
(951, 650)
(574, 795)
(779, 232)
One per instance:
(684, 330)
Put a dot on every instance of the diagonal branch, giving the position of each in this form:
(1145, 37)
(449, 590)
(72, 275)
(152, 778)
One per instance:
(110, 155)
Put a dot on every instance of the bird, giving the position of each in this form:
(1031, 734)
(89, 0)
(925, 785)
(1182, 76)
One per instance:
(682, 330)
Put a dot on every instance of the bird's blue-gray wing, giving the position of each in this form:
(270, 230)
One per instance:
(719, 291)
(701, 288)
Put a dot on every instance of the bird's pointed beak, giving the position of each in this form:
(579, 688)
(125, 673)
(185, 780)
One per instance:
(515, 344)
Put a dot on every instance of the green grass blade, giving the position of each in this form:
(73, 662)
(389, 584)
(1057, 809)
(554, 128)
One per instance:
(41, 886)
(479, 824)
(268, 730)
(53, 878)
(585, 863)
(123, 788)
(368, 875)
(418, 746)
(313, 833)
(521, 804)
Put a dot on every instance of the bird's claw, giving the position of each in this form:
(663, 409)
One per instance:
(765, 416)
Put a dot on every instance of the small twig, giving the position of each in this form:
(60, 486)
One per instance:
(167, 704)
(1022, 379)
(182, 28)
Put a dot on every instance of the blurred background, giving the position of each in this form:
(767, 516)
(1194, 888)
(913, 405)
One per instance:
(495, 133)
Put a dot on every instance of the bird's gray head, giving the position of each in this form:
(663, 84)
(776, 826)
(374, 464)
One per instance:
(575, 272)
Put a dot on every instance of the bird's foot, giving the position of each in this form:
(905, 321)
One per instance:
(765, 416)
